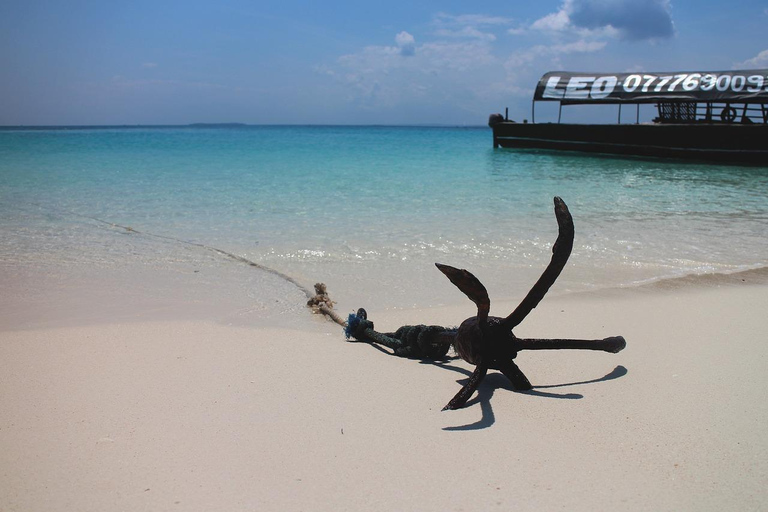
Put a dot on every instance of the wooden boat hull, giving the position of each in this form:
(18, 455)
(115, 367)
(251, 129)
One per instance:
(727, 143)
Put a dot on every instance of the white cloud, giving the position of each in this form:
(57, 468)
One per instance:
(456, 64)
(406, 42)
(469, 26)
(466, 32)
(578, 47)
(585, 27)
(627, 19)
(758, 61)
(471, 19)
(444, 70)
(539, 52)
(556, 21)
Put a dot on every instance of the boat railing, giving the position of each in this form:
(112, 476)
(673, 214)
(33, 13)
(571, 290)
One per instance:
(712, 112)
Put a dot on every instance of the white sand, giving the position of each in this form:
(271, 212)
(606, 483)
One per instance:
(197, 415)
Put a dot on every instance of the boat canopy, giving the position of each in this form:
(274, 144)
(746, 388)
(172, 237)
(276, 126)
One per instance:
(745, 86)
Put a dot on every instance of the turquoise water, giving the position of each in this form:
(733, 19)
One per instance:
(368, 210)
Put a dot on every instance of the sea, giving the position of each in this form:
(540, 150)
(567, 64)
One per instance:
(253, 216)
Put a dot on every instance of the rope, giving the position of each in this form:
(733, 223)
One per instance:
(322, 303)
(412, 341)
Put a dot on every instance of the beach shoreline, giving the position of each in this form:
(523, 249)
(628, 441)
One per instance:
(204, 414)
(38, 297)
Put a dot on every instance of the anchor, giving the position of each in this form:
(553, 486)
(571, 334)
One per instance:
(482, 340)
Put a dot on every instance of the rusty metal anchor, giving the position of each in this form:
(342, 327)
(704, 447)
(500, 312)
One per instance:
(488, 341)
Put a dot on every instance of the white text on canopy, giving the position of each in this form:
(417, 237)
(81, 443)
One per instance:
(581, 88)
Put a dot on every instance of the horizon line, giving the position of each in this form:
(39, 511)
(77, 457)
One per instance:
(234, 125)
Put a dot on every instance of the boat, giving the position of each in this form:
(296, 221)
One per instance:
(719, 116)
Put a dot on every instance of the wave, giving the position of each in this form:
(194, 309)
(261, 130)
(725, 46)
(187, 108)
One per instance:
(739, 277)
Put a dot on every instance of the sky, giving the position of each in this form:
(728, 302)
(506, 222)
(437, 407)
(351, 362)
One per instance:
(450, 62)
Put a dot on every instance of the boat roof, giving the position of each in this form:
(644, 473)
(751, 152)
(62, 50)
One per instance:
(568, 87)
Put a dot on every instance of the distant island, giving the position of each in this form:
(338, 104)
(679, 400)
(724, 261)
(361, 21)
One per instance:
(122, 126)
(216, 125)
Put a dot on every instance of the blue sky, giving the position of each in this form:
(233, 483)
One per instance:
(307, 62)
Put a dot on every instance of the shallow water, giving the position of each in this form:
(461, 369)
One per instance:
(368, 210)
